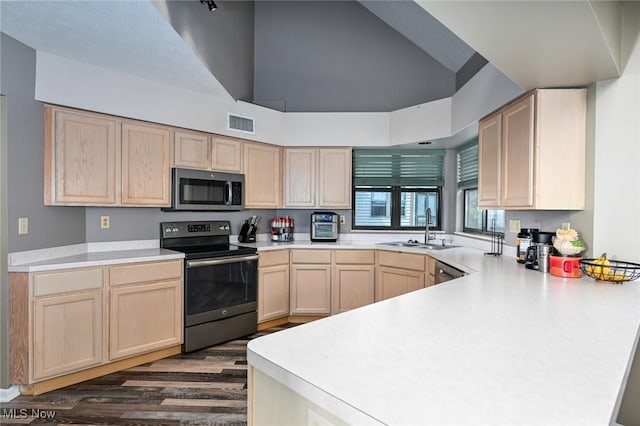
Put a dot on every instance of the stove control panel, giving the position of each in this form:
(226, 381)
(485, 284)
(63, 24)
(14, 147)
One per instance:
(195, 229)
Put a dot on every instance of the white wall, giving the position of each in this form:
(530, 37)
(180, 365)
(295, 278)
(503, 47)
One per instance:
(420, 122)
(488, 90)
(76, 84)
(331, 129)
(66, 82)
(616, 227)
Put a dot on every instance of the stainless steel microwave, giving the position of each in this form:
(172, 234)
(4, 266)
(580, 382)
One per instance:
(202, 190)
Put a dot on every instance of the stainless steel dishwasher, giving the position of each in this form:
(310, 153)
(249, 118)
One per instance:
(446, 272)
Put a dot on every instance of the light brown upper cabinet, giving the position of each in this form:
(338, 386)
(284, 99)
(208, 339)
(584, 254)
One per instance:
(530, 145)
(318, 177)
(146, 164)
(227, 154)
(262, 175)
(96, 159)
(197, 150)
(81, 161)
(191, 150)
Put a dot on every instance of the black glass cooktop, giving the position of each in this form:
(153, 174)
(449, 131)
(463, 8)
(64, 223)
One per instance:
(204, 252)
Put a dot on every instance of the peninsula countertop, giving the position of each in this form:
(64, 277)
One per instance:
(503, 345)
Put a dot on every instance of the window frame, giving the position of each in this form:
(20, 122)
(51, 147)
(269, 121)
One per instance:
(396, 206)
(485, 215)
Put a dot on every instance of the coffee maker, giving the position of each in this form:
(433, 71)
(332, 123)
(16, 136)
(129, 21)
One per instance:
(537, 256)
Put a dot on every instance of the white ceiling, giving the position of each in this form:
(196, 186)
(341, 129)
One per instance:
(535, 43)
(128, 36)
(540, 43)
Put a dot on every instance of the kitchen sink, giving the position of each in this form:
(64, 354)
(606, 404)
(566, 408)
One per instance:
(417, 245)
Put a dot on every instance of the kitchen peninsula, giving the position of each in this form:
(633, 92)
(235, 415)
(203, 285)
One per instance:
(502, 345)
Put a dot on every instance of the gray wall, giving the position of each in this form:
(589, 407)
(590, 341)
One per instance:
(223, 39)
(333, 55)
(4, 293)
(22, 176)
(144, 223)
(48, 226)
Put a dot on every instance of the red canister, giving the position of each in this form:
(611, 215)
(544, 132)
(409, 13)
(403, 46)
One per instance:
(565, 266)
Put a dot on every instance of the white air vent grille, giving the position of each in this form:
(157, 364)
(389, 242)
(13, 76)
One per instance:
(241, 123)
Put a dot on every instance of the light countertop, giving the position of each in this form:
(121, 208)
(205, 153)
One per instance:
(88, 255)
(501, 346)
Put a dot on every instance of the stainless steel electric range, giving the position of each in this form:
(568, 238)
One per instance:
(220, 282)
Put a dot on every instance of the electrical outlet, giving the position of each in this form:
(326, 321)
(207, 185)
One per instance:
(23, 225)
(104, 222)
(514, 226)
(343, 220)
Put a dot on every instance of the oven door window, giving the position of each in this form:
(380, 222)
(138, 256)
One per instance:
(325, 230)
(201, 191)
(215, 287)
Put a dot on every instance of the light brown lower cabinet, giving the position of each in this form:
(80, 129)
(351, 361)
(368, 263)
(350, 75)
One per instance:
(352, 283)
(431, 271)
(65, 322)
(310, 292)
(67, 333)
(273, 285)
(144, 317)
(398, 273)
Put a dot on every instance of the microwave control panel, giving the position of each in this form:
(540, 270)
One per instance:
(236, 193)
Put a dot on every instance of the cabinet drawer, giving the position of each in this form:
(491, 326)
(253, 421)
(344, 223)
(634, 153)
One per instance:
(355, 257)
(145, 272)
(271, 258)
(401, 260)
(310, 256)
(49, 283)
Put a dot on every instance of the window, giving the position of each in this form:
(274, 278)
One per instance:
(475, 219)
(392, 189)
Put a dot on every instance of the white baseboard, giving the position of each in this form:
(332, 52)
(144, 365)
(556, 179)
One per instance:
(8, 394)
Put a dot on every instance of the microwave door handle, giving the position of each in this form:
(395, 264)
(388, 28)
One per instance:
(227, 185)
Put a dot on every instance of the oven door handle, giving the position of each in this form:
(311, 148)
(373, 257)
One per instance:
(220, 261)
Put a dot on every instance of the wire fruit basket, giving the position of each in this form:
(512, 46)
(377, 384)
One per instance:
(615, 271)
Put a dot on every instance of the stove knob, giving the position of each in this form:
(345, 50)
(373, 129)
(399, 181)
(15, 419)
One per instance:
(167, 229)
(175, 229)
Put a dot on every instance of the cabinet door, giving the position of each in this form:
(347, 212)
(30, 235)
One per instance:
(310, 289)
(67, 333)
(391, 282)
(517, 153)
(490, 162)
(81, 158)
(227, 154)
(300, 177)
(191, 149)
(146, 167)
(144, 318)
(273, 292)
(352, 287)
(334, 177)
(431, 272)
(262, 170)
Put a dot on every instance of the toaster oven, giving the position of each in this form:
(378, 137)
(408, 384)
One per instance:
(324, 226)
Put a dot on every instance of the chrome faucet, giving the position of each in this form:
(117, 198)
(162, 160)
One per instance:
(427, 236)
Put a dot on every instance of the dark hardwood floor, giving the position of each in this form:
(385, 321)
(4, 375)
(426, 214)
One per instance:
(206, 387)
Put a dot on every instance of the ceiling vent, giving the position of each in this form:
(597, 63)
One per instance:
(241, 123)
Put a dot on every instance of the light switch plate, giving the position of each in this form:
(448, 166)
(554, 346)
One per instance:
(23, 225)
(104, 222)
(514, 226)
